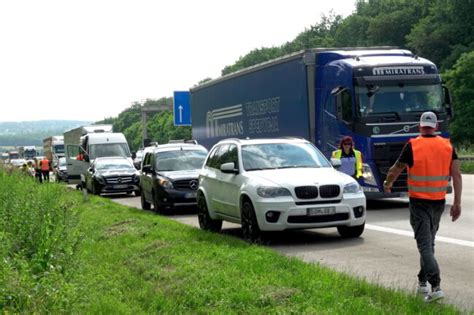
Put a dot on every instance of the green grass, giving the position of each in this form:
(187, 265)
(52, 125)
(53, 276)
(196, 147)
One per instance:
(65, 255)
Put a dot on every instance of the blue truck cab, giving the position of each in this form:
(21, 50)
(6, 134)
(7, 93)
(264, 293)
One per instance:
(375, 95)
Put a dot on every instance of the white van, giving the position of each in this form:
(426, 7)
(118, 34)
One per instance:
(91, 146)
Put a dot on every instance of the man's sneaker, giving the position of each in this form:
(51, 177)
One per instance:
(423, 288)
(435, 295)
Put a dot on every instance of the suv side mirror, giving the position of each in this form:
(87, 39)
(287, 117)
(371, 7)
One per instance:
(146, 169)
(229, 168)
(336, 163)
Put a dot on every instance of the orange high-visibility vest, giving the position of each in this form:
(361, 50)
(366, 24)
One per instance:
(45, 165)
(429, 176)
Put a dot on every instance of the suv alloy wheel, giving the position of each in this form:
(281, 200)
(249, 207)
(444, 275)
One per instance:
(250, 229)
(205, 221)
(145, 205)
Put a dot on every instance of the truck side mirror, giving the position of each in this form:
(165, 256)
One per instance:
(448, 101)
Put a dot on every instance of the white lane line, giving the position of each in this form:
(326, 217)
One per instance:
(410, 233)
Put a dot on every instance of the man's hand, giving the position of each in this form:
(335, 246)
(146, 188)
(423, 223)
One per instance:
(455, 212)
(387, 187)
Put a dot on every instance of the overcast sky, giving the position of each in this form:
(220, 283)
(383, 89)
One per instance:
(87, 60)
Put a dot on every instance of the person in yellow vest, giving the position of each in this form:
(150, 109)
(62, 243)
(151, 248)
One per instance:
(45, 168)
(351, 159)
(431, 160)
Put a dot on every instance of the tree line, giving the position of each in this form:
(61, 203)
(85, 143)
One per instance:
(439, 30)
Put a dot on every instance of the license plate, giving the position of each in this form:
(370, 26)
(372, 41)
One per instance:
(190, 195)
(120, 186)
(321, 211)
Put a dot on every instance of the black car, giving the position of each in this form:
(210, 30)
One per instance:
(60, 170)
(169, 175)
(112, 175)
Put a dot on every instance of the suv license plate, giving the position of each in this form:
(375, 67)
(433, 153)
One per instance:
(321, 211)
(120, 186)
(190, 195)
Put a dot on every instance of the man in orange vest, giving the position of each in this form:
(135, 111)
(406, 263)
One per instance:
(431, 160)
(45, 168)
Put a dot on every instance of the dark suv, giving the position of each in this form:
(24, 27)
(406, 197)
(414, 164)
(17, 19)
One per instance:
(169, 175)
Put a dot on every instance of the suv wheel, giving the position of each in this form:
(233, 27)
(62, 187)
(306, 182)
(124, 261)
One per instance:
(145, 205)
(205, 221)
(351, 231)
(250, 230)
(159, 209)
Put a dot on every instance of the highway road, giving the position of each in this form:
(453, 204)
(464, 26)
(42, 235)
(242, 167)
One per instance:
(386, 252)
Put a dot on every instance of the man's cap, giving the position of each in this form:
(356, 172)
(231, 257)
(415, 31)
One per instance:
(428, 119)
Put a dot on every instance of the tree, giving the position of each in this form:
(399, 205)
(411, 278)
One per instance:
(460, 82)
(445, 34)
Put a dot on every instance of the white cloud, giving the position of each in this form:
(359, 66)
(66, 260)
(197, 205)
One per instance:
(91, 59)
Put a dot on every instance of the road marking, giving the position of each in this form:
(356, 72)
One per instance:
(410, 233)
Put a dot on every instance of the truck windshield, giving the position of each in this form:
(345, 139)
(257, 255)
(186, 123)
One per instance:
(109, 149)
(59, 149)
(398, 99)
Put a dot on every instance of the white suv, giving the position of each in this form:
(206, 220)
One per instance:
(275, 185)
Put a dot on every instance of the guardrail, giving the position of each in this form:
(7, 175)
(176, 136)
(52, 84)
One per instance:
(466, 158)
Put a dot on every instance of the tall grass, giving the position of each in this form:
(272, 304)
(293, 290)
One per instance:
(38, 237)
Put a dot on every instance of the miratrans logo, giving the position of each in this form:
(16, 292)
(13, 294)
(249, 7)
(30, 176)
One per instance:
(222, 122)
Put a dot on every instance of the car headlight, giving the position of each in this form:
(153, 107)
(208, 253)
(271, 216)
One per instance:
(136, 178)
(368, 175)
(352, 188)
(165, 183)
(272, 192)
(100, 179)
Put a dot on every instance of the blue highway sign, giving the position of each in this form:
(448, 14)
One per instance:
(181, 109)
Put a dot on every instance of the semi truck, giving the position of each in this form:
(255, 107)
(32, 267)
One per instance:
(375, 95)
(27, 152)
(53, 148)
(84, 144)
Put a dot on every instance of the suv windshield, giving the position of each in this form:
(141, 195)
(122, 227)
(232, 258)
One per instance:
(281, 155)
(109, 149)
(113, 164)
(180, 160)
(398, 99)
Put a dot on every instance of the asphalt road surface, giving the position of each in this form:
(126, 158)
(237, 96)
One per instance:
(386, 252)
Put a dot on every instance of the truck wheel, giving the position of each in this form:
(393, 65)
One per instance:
(205, 221)
(250, 229)
(145, 205)
(351, 231)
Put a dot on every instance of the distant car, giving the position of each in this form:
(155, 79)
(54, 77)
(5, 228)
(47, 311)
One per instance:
(17, 162)
(276, 185)
(169, 175)
(112, 175)
(60, 170)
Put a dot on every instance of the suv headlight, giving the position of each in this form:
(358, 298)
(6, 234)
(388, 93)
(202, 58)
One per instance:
(100, 179)
(272, 192)
(368, 175)
(164, 182)
(352, 188)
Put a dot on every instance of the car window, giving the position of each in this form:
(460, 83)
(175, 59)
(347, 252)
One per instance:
(211, 156)
(230, 156)
(179, 160)
(281, 155)
(220, 151)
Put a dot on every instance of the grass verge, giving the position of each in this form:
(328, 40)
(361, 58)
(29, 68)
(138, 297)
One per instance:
(100, 257)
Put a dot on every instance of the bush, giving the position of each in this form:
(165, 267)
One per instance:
(37, 241)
